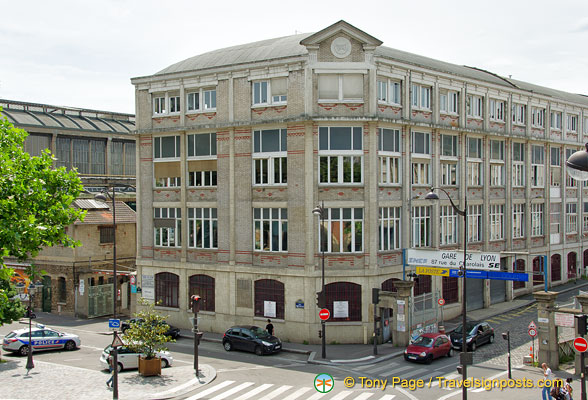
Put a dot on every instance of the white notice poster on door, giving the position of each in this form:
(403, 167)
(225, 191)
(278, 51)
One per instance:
(340, 309)
(269, 309)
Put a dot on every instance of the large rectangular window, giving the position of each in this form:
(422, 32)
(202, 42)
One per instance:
(166, 147)
(420, 96)
(421, 226)
(538, 117)
(122, 158)
(421, 158)
(555, 170)
(536, 220)
(270, 157)
(202, 99)
(389, 155)
(585, 217)
(340, 87)
(474, 161)
(519, 114)
(389, 229)
(389, 91)
(475, 223)
(572, 123)
(570, 182)
(202, 167)
(449, 160)
(518, 221)
(475, 106)
(496, 221)
(571, 218)
(555, 216)
(537, 166)
(343, 230)
(270, 92)
(555, 120)
(340, 155)
(159, 104)
(448, 225)
(449, 102)
(496, 163)
(202, 228)
(270, 229)
(496, 110)
(518, 164)
(167, 226)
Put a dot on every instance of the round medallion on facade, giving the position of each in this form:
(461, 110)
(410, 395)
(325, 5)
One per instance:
(341, 47)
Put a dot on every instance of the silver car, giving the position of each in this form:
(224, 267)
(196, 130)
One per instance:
(43, 338)
(128, 359)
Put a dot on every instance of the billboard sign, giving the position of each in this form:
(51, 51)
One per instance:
(453, 259)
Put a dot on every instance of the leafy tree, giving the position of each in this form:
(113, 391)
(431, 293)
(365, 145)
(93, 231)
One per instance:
(35, 208)
(147, 335)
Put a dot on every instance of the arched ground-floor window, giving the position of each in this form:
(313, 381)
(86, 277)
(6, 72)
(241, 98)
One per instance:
(269, 298)
(203, 286)
(344, 301)
(167, 289)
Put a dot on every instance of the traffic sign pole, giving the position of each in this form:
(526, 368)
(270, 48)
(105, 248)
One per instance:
(581, 345)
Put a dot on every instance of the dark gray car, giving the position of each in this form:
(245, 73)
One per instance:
(478, 333)
(251, 338)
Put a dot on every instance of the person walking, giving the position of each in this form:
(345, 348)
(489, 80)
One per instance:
(269, 327)
(548, 376)
(568, 389)
(110, 371)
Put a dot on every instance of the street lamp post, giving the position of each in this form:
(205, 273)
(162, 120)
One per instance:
(506, 336)
(320, 211)
(31, 288)
(465, 357)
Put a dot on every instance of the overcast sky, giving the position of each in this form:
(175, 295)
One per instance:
(83, 54)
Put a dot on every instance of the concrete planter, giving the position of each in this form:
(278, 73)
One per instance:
(150, 367)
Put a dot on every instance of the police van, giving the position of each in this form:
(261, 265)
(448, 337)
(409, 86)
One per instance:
(43, 338)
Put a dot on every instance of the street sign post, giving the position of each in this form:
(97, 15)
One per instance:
(581, 345)
(324, 314)
(441, 301)
(114, 323)
(532, 333)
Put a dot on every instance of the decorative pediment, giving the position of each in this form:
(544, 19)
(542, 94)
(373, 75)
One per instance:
(340, 27)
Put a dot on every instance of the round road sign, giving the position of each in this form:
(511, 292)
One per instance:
(324, 314)
(580, 344)
(532, 332)
(441, 301)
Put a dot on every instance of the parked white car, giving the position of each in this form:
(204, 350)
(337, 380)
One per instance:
(128, 359)
(43, 338)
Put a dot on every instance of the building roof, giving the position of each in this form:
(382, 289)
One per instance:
(98, 212)
(66, 118)
(290, 46)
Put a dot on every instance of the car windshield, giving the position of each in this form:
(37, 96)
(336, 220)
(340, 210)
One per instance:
(259, 333)
(469, 328)
(423, 341)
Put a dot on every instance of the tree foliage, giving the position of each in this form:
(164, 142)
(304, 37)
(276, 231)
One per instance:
(35, 206)
(147, 336)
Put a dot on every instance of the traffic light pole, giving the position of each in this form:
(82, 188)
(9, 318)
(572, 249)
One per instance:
(583, 375)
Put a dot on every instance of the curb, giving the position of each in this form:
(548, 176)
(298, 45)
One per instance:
(213, 340)
(189, 385)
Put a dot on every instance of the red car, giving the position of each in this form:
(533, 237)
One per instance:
(429, 346)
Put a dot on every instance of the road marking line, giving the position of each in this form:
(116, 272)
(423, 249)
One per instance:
(417, 372)
(342, 395)
(364, 396)
(388, 397)
(255, 391)
(232, 391)
(297, 393)
(316, 396)
(360, 368)
(396, 371)
(276, 392)
(379, 368)
(470, 390)
(177, 388)
(448, 377)
(211, 390)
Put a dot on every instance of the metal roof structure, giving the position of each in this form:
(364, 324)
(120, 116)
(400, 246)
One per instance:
(103, 215)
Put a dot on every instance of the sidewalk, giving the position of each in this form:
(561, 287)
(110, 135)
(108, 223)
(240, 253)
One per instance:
(363, 353)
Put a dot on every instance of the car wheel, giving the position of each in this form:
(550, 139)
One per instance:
(164, 363)
(429, 359)
(491, 339)
(450, 352)
(228, 346)
(473, 346)
(23, 351)
(258, 351)
(120, 367)
(70, 345)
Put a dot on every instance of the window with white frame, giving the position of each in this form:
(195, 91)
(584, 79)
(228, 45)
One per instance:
(538, 117)
(475, 223)
(421, 158)
(389, 155)
(343, 229)
(537, 166)
(174, 104)
(270, 92)
(475, 106)
(389, 229)
(389, 91)
(555, 169)
(474, 162)
(554, 225)
(167, 227)
(203, 99)
(202, 228)
(448, 160)
(420, 96)
(449, 102)
(519, 114)
(570, 182)
(169, 181)
(202, 167)
(555, 122)
(572, 123)
(159, 104)
(270, 229)
(270, 157)
(340, 155)
(166, 147)
(518, 221)
(448, 225)
(496, 163)
(585, 217)
(496, 111)
(585, 125)
(571, 217)
(518, 164)
(421, 226)
(340, 87)
(496, 221)
(536, 220)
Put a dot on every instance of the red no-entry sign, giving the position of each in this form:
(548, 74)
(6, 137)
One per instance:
(580, 344)
(324, 314)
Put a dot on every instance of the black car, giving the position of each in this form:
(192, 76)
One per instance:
(251, 338)
(477, 333)
(172, 332)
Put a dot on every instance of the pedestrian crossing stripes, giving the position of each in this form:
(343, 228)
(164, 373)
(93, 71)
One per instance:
(268, 391)
(403, 370)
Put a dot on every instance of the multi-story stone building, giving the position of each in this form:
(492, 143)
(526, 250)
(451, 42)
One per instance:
(237, 146)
